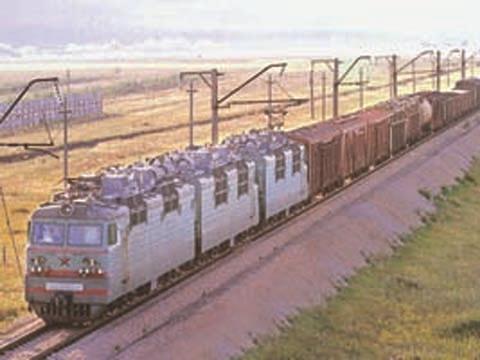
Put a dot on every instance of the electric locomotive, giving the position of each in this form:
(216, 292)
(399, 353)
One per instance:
(115, 234)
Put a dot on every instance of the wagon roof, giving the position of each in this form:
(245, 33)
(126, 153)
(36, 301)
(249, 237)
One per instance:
(436, 95)
(460, 91)
(469, 82)
(374, 114)
(350, 122)
(321, 132)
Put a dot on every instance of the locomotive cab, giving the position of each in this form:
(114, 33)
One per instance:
(67, 263)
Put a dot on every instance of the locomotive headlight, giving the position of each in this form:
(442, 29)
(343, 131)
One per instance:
(38, 264)
(36, 269)
(91, 267)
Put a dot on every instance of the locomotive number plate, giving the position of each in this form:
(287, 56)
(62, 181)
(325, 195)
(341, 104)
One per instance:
(51, 286)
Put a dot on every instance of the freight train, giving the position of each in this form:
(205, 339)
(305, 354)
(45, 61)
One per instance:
(121, 231)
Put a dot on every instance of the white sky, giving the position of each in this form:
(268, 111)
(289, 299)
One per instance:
(46, 29)
(376, 15)
(412, 16)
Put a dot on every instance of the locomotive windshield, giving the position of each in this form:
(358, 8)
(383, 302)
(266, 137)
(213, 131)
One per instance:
(84, 235)
(48, 234)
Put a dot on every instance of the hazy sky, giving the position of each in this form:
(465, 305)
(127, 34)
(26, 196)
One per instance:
(62, 21)
(55, 29)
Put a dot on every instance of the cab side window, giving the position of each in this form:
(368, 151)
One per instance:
(112, 234)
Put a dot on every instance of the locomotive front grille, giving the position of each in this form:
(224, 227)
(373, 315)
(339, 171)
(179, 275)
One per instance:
(62, 308)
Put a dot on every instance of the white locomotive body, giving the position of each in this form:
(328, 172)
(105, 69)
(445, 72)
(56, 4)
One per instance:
(121, 231)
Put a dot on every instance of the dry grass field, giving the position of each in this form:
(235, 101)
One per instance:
(140, 101)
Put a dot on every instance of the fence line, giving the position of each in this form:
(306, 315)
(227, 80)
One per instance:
(33, 113)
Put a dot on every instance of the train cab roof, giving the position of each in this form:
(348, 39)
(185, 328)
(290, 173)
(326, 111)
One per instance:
(77, 211)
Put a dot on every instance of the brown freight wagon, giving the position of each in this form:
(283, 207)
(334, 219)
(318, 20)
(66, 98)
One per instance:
(414, 125)
(323, 149)
(472, 84)
(449, 106)
(439, 101)
(425, 110)
(455, 104)
(418, 112)
(378, 121)
(355, 158)
(398, 125)
(462, 103)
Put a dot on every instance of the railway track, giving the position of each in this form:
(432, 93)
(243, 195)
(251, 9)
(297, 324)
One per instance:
(44, 341)
(19, 335)
(37, 344)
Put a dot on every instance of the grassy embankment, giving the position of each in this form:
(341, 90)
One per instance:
(130, 109)
(422, 303)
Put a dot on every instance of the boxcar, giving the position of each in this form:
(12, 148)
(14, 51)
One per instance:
(378, 121)
(398, 125)
(462, 103)
(414, 121)
(473, 85)
(439, 102)
(355, 158)
(323, 147)
(449, 106)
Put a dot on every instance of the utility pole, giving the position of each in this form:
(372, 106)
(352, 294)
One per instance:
(191, 91)
(392, 72)
(65, 133)
(394, 76)
(210, 78)
(336, 86)
(324, 96)
(214, 105)
(312, 93)
(330, 64)
(414, 78)
(463, 64)
(439, 70)
(448, 62)
(433, 71)
(65, 113)
(473, 65)
(270, 99)
(338, 80)
(412, 64)
(69, 77)
(212, 83)
(361, 88)
(390, 79)
(448, 72)
(63, 100)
